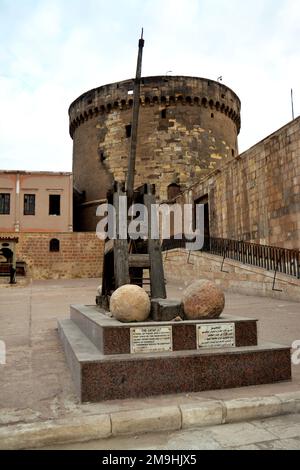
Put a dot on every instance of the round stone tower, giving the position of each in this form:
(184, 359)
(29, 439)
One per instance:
(187, 127)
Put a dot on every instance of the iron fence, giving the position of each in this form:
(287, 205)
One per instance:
(271, 258)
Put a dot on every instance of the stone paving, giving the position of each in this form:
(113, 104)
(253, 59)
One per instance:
(268, 434)
(35, 383)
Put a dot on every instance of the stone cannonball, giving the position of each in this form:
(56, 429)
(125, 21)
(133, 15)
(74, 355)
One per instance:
(130, 303)
(203, 299)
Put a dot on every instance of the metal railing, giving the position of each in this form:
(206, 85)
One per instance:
(271, 258)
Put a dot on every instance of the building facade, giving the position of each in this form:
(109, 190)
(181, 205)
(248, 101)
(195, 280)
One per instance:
(36, 201)
(38, 206)
(188, 126)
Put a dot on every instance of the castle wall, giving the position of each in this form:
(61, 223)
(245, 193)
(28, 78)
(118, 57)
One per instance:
(187, 127)
(256, 196)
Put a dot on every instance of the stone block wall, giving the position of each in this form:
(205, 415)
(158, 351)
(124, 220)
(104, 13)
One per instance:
(240, 278)
(256, 196)
(80, 254)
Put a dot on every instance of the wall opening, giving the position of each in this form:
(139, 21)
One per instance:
(128, 130)
(54, 245)
(102, 156)
(54, 204)
(173, 190)
(163, 113)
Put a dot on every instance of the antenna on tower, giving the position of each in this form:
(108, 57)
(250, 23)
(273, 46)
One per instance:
(292, 101)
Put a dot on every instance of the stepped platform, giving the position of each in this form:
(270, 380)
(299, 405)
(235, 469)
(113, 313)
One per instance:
(113, 360)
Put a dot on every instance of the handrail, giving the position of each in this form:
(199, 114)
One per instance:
(271, 258)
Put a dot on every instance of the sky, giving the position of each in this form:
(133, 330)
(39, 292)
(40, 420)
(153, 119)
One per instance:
(52, 51)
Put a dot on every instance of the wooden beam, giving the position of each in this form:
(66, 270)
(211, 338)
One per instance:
(121, 266)
(137, 260)
(158, 287)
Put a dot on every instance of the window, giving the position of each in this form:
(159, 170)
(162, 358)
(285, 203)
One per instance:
(29, 204)
(54, 204)
(4, 203)
(54, 245)
(128, 130)
(173, 190)
(163, 113)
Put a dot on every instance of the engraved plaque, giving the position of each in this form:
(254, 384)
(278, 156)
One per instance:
(216, 335)
(151, 339)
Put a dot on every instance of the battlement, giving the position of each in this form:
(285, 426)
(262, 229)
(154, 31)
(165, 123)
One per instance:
(156, 91)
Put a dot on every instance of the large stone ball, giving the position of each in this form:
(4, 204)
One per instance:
(203, 299)
(130, 303)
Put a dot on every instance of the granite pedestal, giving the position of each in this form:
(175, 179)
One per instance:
(109, 359)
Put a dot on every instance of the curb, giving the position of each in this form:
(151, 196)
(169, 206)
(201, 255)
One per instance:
(157, 419)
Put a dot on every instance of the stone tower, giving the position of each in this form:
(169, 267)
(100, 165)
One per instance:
(187, 127)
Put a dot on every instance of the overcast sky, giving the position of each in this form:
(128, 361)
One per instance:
(54, 50)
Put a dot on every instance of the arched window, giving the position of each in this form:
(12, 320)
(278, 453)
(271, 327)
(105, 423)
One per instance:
(54, 245)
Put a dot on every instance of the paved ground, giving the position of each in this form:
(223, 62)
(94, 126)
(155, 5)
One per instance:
(268, 434)
(35, 384)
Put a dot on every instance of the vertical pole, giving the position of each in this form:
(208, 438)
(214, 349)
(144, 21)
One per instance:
(292, 100)
(135, 118)
(17, 203)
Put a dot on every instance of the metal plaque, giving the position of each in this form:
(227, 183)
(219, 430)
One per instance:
(216, 335)
(150, 339)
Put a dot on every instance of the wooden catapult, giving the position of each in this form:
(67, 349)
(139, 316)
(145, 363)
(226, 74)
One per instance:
(125, 260)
